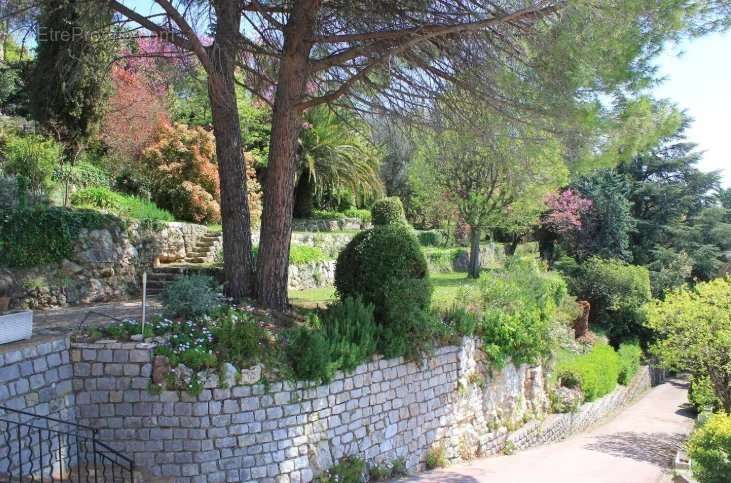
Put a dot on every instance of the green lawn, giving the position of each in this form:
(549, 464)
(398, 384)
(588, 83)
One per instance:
(446, 288)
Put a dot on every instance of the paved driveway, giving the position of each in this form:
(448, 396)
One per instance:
(636, 446)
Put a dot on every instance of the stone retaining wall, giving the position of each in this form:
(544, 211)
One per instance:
(386, 409)
(311, 224)
(36, 378)
(285, 432)
(105, 265)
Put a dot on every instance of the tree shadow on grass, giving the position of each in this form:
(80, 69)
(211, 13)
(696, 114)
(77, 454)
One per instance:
(656, 448)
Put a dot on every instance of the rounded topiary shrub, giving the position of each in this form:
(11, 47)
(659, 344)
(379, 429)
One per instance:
(387, 211)
(374, 259)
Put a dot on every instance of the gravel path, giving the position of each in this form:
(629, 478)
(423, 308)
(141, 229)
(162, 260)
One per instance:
(636, 446)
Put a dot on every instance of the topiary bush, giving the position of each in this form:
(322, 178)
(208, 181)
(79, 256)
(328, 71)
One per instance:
(190, 297)
(408, 327)
(387, 211)
(375, 258)
(710, 450)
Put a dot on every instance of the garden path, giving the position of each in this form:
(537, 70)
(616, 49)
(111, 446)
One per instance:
(636, 446)
(65, 319)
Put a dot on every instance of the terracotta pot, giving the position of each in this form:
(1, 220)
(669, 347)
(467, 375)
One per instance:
(4, 304)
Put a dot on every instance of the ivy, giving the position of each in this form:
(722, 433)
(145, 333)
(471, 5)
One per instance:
(41, 235)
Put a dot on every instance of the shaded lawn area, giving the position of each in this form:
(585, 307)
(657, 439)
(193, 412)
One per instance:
(447, 287)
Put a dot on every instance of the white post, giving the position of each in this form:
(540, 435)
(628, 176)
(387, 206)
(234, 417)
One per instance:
(144, 301)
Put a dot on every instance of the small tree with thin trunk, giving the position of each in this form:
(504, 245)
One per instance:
(496, 174)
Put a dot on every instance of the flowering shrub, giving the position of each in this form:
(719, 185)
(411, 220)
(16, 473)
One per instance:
(566, 211)
(182, 163)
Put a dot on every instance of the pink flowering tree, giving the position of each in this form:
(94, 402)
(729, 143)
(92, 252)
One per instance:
(567, 209)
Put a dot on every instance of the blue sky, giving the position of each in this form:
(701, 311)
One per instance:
(698, 76)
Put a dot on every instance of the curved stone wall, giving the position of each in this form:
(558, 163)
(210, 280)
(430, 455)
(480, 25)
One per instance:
(284, 432)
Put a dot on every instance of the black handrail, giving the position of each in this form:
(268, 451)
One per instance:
(36, 449)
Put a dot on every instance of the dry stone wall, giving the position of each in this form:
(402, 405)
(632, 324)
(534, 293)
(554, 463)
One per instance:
(105, 265)
(284, 432)
(290, 432)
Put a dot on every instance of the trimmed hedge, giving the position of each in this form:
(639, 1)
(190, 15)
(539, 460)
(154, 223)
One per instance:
(387, 211)
(595, 372)
(376, 257)
(630, 355)
(40, 235)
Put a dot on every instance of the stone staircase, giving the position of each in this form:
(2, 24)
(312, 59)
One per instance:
(203, 253)
(205, 248)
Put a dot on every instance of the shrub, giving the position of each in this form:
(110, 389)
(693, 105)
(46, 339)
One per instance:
(351, 332)
(97, 197)
(39, 235)
(710, 450)
(408, 327)
(326, 215)
(308, 354)
(350, 469)
(443, 259)
(360, 214)
(376, 257)
(630, 354)
(387, 211)
(701, 394)
(436, 457)
(431, 238)
(33, 158)
(617, 292)
(190, 297)
(240, 337)
(517, 308)
(82, 175)
(692, 331)
(595, 372)
(142, 209)
(182, 164)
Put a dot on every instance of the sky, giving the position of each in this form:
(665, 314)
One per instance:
(697, 78)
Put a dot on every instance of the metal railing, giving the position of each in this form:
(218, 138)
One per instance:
(42, 448)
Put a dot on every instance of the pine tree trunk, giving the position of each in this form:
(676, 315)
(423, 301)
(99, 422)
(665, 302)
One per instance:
(273, 259)
(238, 263)
(474, 268)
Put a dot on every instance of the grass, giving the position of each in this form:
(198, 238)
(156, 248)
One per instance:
(447, 287)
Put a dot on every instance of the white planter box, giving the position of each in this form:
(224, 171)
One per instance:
(16, 326)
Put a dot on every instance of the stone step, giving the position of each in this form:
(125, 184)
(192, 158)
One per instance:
(195, 260)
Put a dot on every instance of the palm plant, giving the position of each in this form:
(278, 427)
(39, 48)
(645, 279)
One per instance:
(333, 157)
